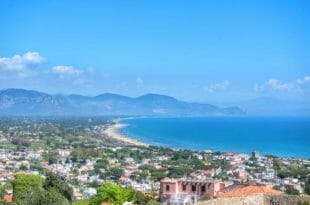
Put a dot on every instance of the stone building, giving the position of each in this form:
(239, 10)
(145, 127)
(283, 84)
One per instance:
(185, 191)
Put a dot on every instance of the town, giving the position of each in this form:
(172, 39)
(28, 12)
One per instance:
(77, 151)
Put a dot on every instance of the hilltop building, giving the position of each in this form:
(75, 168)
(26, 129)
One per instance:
(185, 191)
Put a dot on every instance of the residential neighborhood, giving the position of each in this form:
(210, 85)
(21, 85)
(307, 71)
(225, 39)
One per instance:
(168, 175)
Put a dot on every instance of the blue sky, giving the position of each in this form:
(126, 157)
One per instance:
(207, 51)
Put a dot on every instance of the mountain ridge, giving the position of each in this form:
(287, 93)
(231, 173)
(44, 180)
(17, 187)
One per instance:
(24, 102)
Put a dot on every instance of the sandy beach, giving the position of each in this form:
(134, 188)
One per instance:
(113, 132)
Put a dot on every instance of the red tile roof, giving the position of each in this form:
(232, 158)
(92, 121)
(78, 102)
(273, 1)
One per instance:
(250, 190)
(8, 198)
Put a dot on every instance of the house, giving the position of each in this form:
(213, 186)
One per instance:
(187, 191)
(89, 192)
(77, 196)
(8, 198)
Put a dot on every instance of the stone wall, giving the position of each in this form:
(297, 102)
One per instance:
(258, 199)
(285, 199)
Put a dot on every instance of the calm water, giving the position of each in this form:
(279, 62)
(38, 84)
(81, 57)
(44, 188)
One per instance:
(287, 137)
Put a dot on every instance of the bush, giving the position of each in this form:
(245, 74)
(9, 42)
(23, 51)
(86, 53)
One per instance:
(291, 191)
(114, 194)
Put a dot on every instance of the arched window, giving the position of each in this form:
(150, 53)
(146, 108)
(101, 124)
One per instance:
(167, 187)
(193, 188)
(203, 188)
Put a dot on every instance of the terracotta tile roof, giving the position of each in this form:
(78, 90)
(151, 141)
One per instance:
(8, 198)
(249, 190)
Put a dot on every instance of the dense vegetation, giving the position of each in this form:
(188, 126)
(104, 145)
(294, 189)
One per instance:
(34, 190)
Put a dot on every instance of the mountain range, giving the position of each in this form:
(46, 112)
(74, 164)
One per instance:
(20, 102)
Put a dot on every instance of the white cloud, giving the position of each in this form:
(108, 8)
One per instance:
(139, 82)
(274, 84)
(217, 86)
(66, 70)
(22, 65)
(303, 80)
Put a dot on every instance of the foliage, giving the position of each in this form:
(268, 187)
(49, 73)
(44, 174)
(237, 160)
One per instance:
(180, 171)
(4, 202)
(33, 190)
(290, 190)
(51, 157)
(114, 173)
(296, 173)
(80, 202)
(113, 194)
(36, 166)
(307, 187)
(55, 183)
(303, 203)
(26, 184)
(3, 187)
(276, 187)
(153, 202)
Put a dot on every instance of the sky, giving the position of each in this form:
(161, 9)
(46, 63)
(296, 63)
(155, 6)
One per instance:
(203, 51)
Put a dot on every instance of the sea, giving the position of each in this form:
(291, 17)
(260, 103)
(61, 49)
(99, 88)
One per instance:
(279, 136)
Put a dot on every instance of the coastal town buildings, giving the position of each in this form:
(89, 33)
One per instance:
(170, 175)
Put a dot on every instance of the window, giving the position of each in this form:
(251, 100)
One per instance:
(184, 187)
(203, 188)
(167, 187)
(193, 188)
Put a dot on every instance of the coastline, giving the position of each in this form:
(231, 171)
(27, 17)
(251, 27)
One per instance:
(113, 132)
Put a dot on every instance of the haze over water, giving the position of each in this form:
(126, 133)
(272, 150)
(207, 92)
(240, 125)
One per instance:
(286, 137)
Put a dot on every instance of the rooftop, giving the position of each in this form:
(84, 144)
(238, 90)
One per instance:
(249, 190)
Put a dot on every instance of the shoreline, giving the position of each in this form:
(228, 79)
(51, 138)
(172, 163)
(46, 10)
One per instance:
(113, 132)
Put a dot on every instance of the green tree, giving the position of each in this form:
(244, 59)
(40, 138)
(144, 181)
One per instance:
(26, 187)
(33, 190)
(7, 185)
(57, 184)
(303, 203)
(54, 197)
(307, 187)
(290, 190)
(113, 194)
(115, 172)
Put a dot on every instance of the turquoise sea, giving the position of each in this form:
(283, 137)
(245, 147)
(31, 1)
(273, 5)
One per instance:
(281, 136)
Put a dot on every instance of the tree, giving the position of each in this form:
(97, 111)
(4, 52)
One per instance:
(57, 184)
(307, 186)
(7, 185)
(54, 197)
(115, 172)
(33, 190)
(36, 166)
(50, 157)
(113, 194)
(290, 190)
(303, 203)
(26, 187)
(158, 175)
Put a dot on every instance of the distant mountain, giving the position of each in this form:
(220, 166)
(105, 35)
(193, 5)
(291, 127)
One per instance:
(33, 103)
(272, 106)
